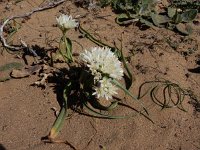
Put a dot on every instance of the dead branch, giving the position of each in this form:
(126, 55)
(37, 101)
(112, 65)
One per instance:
(24, 46)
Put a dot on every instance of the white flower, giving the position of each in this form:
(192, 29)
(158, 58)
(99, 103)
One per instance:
(103, 61)
(105, 89)
(66, 22)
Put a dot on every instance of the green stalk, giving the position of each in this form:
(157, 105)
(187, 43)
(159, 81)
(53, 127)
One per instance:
(99, 43)
(68, 48)
(98, 114)
(65, 48)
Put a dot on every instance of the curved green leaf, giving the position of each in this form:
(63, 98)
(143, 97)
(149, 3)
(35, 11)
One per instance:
(61, 117)
(189, 15)
(115, 82)
(158, 20)
(184, 28)
(171, 11)
(177, 18)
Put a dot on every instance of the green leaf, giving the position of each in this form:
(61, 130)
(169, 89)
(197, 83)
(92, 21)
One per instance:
(184, 28)
(147, 2)
(189, 15)
(115, 82)
(129, 77)
(158, 20)
(123, 19)
(5, 70)
(96, 104)
(147, 23)
(173, 94)
(105, 116)
(104, 3)
(132, 15)
(65, 49)
(171, 11)
(123, 16)
(143, 9)
(177, 18)
(69, 45)
(62, 45)
(61, 117)
(99, 43)
(114, 4)
(101, 115)
(170, 26)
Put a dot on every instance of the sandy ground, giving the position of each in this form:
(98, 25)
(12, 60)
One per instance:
(26, 111)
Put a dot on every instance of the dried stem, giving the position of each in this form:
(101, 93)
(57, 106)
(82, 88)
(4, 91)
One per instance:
(23, 45)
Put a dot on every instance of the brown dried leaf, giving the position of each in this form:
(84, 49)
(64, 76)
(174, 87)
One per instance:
(34, 69)
(19, 73)
(25, 72)
(42, 82)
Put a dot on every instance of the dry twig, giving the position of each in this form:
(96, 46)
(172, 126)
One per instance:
(24, 46)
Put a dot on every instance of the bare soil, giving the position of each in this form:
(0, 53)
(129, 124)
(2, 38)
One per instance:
(26, 111)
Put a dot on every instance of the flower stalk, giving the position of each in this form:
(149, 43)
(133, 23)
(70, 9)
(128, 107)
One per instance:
(65, 48)
(66, 23)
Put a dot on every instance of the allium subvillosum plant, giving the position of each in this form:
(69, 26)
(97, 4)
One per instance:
(97, 76)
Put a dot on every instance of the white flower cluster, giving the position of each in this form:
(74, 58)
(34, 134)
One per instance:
(104, 66)
(66, 22)
(103, 61)
(105, 88)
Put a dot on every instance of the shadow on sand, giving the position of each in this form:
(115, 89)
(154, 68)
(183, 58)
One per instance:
(2, 147)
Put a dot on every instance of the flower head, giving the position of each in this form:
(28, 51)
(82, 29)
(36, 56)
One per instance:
(66, 22)
(102, 61)
(105, 89)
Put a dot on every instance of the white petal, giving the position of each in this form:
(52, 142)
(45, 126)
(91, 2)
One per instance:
(66, 22)
(103, 60)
